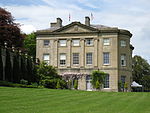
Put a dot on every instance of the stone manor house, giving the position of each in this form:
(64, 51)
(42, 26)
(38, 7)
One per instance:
(78, 49)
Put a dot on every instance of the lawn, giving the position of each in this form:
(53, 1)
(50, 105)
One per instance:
(30, 100)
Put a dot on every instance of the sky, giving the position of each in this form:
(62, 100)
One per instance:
(132, 15)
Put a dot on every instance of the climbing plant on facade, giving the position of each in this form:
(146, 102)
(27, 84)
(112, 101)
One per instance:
(97, 78)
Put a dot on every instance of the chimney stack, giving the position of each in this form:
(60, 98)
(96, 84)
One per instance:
(87, 21)
(58, 23)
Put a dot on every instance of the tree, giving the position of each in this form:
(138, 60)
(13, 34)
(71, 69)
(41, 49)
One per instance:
(146, 82)
(97, 78)
(140, 69)
(9, 31)
(1, 66)
(30, 44)
(141, 72)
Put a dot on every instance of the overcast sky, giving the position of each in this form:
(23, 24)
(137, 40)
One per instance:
(133, 15)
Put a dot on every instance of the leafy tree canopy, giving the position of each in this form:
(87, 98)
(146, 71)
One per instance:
(30, 44)
(141, 68)
(9, 31)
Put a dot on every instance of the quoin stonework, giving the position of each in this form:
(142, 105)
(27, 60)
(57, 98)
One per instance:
(78, 49)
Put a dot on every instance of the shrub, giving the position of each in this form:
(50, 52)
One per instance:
(58, 85)
(75, 84)
(35, 84)
(9, 84)
(46, 72)
(49, 83)
(22, 81)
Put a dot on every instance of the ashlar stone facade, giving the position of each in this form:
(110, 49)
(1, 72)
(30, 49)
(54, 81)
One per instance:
(78, 49)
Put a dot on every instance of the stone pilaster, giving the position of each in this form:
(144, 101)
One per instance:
(69, 53)
(55, 53)
(95, 56)
(51, 52)
(82, 53)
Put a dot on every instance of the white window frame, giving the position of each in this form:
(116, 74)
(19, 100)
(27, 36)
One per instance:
(106, 59)
(106, 81)
(123, 59)
(46, 58)
(75, 58)
(46, 42)
(123, 43)
(76, 42)
(89, 42)
(89, 59)
(62, 59)
(106, 41)
(63, 43)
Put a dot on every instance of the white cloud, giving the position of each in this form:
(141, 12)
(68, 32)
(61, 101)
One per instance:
(27, 29)
(127, 15)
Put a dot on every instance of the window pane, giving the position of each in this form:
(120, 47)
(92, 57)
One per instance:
(62, 59)
(75, 42)
(106, 81)
(89, 42)
(89, 58)
(62, 42)
(46, 42)
(75, 58)
(106, 41)
(123, 43)
(46, 58)
(123, 60)
(62, 56)
(106, 58)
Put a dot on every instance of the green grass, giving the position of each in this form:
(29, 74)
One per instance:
(30, 100)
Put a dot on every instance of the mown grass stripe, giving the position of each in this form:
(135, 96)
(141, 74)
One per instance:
(26, 100)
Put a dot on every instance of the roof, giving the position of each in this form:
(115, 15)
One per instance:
(92, 28)
(51, 29)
